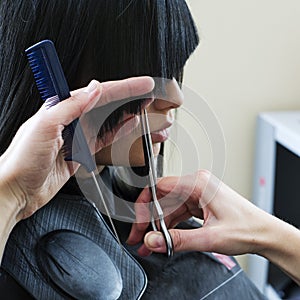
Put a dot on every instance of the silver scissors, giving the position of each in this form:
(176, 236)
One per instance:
(149, 158)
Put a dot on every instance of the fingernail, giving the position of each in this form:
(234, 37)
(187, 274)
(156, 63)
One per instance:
(91, 87)
(155, 240)
(93, 96)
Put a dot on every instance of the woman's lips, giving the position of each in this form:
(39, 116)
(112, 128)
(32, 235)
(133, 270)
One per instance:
(160, 136)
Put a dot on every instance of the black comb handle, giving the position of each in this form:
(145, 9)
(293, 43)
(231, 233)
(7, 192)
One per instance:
(53, 87)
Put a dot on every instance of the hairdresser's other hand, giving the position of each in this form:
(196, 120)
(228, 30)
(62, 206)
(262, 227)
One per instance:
(231, 223)
(32, 170)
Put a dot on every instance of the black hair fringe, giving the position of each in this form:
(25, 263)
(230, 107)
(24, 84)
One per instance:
(95, 39)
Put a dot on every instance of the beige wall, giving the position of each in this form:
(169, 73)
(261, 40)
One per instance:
(248, 61)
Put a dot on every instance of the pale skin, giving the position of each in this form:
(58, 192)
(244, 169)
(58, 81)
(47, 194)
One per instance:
(33, 169)
(232, 224)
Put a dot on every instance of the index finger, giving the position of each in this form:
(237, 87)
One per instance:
(131, 88)
(142, 212)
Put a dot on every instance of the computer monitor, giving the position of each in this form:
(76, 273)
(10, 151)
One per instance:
(276, 189)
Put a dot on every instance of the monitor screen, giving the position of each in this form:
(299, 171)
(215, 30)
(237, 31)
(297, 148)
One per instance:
(286, 207)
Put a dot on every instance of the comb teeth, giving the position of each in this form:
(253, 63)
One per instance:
(68, 135)
(41, 74)
(51, 101)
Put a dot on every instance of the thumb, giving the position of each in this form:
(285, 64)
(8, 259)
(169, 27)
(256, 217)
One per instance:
(183, 240)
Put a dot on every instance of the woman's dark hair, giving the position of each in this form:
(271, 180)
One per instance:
(95, 39)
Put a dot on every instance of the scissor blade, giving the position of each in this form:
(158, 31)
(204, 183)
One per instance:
(153, 181)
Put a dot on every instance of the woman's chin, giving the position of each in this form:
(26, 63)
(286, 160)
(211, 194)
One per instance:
(135, 157)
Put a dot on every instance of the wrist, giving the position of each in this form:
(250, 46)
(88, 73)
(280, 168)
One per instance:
(9, 215)
(255, 229)
(12, 199)
(262, 236)
(10, 205)
(277, 233)
(282, 247)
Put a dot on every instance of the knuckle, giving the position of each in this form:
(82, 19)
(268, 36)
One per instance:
(129, 87)
(177, 239)
(204, 174)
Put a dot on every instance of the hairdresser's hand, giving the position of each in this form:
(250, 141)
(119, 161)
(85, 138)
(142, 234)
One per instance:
(231, 223)
(32, 170)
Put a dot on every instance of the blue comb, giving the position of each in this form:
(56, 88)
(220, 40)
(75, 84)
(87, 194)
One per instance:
(53, 88)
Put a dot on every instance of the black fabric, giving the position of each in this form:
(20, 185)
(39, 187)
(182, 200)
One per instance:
(72, 213)
(10, 289)
(78, 267)
(188, 275)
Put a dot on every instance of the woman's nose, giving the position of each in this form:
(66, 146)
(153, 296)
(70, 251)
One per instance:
(171, 97)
